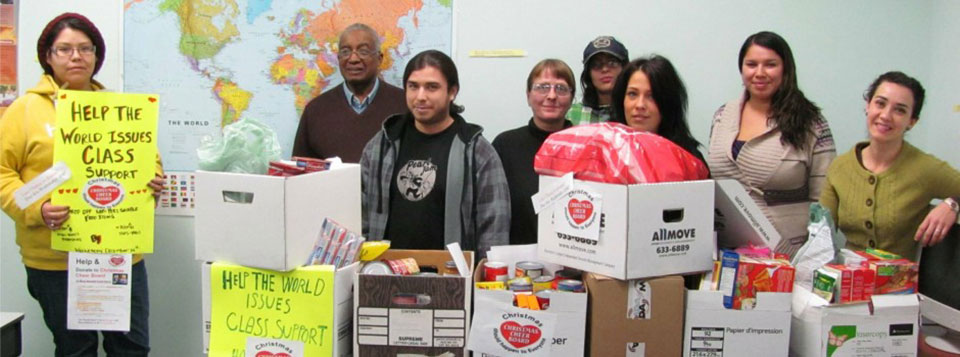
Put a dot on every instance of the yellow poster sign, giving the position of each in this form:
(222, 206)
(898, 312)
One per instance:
(248, 303)
(109, 142)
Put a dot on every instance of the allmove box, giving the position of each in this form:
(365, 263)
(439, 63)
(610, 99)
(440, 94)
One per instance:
(501, 329)
(635, 317)
(710, 329)
(271, 222)
(339, 323)
(740, 222)
(411, 314)
(646, 230)
(890, 328)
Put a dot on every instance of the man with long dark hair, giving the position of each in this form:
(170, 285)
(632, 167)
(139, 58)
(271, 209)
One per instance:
(429, 177)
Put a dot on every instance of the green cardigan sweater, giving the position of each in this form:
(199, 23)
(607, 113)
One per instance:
(884, 210)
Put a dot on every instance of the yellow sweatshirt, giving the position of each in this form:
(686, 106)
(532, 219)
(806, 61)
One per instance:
(26, 151)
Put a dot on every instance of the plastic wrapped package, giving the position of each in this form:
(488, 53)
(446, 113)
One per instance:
(246, 146)
(615, 153)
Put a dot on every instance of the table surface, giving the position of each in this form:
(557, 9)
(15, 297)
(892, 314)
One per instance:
(7, 318)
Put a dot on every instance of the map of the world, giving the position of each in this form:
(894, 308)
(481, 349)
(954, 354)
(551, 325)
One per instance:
(215, 61)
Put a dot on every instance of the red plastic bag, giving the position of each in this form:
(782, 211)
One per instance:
(615, 153)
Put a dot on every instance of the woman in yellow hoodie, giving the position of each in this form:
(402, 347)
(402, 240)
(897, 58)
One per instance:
(70, 50)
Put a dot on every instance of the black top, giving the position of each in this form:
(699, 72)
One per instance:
(517, 149)
(418, 188)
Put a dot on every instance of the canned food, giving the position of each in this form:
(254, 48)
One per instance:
(569, 273)
(404, 266)
(543, 298)
(376, 268)
(570, 285)
(542, 282)
(450, 268)
(531, 269)
(491, 285)
(427, 273)
(520, 284)
(495, 271)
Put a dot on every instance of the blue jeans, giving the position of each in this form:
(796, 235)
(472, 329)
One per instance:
(49, 288)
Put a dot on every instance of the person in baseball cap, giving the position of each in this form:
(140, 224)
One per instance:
(603, 58)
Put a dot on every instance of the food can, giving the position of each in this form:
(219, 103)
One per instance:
(376, 268)
(542, 282)
(570, 285)
(495, 271)
(450, 268)
(531, 269)
(569, 273)
(404, 266)
(520, 284)
(543, 298)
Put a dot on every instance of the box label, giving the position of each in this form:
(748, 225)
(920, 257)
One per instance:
(872, 340)
(706, 341)
(636, 349)
(638, 300)
(578, 215)
(259, 347)
(411, 327)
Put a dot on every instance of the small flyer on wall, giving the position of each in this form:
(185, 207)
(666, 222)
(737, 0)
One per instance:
(179, 194)
(98, 291)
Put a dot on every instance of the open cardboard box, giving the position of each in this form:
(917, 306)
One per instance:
(271, 222)
(410, 314)
(710, 329)
(557, 331)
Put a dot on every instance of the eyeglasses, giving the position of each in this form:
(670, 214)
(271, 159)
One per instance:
(544, 88)
(610, 63)
(67, 51)
(363, 53)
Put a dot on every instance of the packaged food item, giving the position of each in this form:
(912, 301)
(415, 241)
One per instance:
(284, 168)
(760, 275)
(575, 286)
(370, 250)
(729, 262)
(543, 282)
(495, 271)
(522, 283)
(527, 268)
(491, 285)
(897, 276)
(825, 283)
(403, 266)
(710, 280)
(543, 298)
(450, 268)
(309, 164)
(376, 268)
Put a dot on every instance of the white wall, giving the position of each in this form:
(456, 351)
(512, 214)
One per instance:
(839, 46)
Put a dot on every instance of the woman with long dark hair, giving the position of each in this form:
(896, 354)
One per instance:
(772, 139)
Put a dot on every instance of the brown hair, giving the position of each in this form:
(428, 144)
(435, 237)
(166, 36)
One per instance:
(558, 68)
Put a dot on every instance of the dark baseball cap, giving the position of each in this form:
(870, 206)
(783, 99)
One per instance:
(606, 44)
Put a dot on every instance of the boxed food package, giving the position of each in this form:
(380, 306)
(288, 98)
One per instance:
(635, 317)
(412, 314)
(271, 222)
(645, 230)
(895, 276)
(760, 275)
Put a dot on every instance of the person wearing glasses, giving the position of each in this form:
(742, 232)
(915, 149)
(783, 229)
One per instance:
(71, 51)
(603, 58)
(772, 139)
(341, 120)
(650, 96)
(879, 192)
(550, 90)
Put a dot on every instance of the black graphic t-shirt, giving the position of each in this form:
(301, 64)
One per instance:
(418, 189)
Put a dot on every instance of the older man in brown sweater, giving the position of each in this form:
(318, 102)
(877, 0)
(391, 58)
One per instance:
(340, 121)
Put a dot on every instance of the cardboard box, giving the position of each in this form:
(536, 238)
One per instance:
(739, 220)
(654, 326)
(710, 329)
(271, 222)
(557, 331)
(646, 230)
(891, 329)
(342, 316)
(438, 323)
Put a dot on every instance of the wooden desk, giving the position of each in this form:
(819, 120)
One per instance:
(10, 335)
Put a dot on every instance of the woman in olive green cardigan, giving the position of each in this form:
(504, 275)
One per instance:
(879, 193)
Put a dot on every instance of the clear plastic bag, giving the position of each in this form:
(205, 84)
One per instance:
(246, 146)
